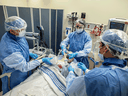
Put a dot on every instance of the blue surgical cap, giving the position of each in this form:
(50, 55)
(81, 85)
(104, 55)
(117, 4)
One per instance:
(116, 39)
(15, 23)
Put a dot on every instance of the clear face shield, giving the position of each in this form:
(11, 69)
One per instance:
(114, 41)
(118, 51)
(96, 52)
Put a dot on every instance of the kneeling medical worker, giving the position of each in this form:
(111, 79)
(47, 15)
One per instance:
(111, 78)
(14, 53)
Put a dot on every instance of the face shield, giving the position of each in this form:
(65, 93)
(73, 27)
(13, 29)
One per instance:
(118, 51)
(96, 52)
(117, 41)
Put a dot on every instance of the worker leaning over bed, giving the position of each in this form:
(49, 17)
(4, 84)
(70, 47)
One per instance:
(14, 53)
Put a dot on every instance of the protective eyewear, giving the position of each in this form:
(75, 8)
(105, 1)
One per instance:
(79, 27)
(102, 44)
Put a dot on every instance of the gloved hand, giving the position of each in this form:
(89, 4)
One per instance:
(47, 60)
(64, 50)
(70, 69)
(72, 55)
(82, 66)
(96, 63)
(34, 56)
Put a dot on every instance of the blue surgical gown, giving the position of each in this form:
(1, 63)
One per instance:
(14, 56)
(80, 43)
(110, 79)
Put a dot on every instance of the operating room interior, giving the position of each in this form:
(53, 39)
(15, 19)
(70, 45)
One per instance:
(49, 22)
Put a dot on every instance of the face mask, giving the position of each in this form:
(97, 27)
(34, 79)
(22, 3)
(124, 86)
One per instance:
(79, 30)
(101, 56)
(22, 33)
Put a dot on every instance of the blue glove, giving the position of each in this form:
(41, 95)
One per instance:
(96, 63)
(82, 66)
(47, 60)
(64, 50)
(63, 47)
(70, 69)
(34, 56)
(72, 55)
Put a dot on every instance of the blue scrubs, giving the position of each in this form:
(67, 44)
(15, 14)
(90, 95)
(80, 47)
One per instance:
(14, 56)
(80, 43)
(110, 79)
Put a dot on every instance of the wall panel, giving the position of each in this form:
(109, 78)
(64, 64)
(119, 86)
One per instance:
(59, 28)
(11, 11)
(2, 19)
(25, 14)
(53, 27)
(45, 24)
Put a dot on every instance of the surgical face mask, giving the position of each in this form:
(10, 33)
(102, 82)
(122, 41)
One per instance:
(22, 33)
(79, 30)
(101, 56)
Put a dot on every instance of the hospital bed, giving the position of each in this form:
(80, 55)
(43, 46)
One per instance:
(45, 81)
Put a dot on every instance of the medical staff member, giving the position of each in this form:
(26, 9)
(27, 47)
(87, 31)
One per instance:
(80, 43)
(14, 53)
(111, 78)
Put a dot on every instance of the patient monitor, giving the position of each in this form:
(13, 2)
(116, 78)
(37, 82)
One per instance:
(118, 23)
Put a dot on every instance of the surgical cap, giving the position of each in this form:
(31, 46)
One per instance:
(15, 23)
(81, 21)
(116, 39)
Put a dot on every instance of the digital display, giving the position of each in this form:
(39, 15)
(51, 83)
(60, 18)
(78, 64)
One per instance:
(115, 25)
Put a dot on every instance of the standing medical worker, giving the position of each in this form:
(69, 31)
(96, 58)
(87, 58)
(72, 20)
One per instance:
(111, 78)
(14, 53)
(80, 43)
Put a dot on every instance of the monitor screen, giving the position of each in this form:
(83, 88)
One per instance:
(115, 25)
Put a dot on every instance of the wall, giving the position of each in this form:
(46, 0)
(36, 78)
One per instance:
(27, 3)
(97, 11)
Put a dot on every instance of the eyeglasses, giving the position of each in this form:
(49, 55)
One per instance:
(78, 27)
(101, 44)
